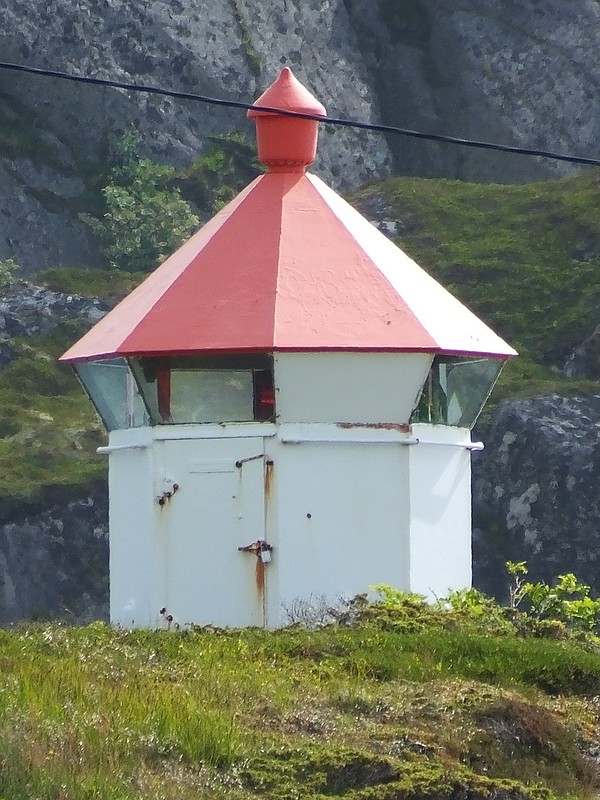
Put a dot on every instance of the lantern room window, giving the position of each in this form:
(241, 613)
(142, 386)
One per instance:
(113, 391)
(198, 390)
(456, 390)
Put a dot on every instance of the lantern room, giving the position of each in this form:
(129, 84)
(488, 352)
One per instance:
(289, 400)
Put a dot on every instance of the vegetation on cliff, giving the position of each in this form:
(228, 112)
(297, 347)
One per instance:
(48, 432)
(393, 701)
(144, 214)
(525, 258)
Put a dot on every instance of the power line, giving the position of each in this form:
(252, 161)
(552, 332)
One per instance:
(347, 123)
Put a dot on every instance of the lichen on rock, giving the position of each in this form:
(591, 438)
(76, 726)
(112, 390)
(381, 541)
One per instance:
(538, 502)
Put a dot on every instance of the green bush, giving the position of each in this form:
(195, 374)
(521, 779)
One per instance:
(228, 165)
(146, 218)
(567, 602)
(8, 270)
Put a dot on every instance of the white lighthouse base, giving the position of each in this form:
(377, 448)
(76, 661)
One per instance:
(318, 510)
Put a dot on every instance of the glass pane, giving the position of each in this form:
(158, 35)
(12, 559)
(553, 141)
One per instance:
(145, 372)
(470, 382)
(456, 389)
(114, 392)
(202, 389)
(211, 396)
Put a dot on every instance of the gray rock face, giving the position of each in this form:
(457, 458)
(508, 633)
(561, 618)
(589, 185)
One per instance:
(535, 491)
(520, 72)
(584, 361)
(37, 227)
(54, 563)
(523, 72)
(28, 310)
(231, 49)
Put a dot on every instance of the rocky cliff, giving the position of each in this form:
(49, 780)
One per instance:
(53, 525)
(54, 561)
(522, 72)
(535, 491)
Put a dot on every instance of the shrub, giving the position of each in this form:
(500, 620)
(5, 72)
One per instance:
(567, 601)
(146, 218)
(8, 270)
(227, 166)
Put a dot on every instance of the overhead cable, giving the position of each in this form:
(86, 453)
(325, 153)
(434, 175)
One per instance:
(347, 123)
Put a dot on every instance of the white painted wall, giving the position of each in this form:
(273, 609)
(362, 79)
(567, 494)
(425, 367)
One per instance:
(348, 387)
(347, 506)
(183, 555)
(217, 508)
(440, 510)
(342, 512)
(136, 557)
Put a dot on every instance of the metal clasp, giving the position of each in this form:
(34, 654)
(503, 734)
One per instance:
(241, 461)
(260, 548)
(169, 487)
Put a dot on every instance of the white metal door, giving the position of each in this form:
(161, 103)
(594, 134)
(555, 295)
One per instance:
(218, 507)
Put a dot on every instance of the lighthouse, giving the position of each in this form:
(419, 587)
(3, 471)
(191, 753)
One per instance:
(289, 400)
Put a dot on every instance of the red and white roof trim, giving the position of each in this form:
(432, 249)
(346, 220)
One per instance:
(288, 265)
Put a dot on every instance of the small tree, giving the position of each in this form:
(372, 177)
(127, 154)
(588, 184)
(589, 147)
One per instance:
(146, 218)
(8, 270)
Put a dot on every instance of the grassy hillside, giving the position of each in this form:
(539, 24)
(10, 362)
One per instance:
(406, 704)
(525, 258)
(48, 430)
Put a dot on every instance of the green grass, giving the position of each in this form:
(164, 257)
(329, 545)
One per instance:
(525, 258)
(361, 712)
(441, 654)
(48, 429)
(104, 283)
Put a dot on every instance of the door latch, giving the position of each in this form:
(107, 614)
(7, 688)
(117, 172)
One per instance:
(165, 491)
(241, 461)
(261, 549)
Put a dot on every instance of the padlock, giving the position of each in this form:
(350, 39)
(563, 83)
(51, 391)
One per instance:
(265, 556)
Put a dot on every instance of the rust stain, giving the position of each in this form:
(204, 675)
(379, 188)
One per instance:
(260, 577)
(402, 427)
(268, 478)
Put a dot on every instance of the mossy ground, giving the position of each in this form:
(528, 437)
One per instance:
(48, 429)
(362, 712)
(108, 284)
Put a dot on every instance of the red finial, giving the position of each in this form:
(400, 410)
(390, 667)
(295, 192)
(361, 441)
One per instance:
(287, 144)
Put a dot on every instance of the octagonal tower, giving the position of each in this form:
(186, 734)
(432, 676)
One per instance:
(289, 400)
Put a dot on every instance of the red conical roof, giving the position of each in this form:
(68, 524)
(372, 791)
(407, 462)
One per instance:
(290, 266)
(288, 94)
